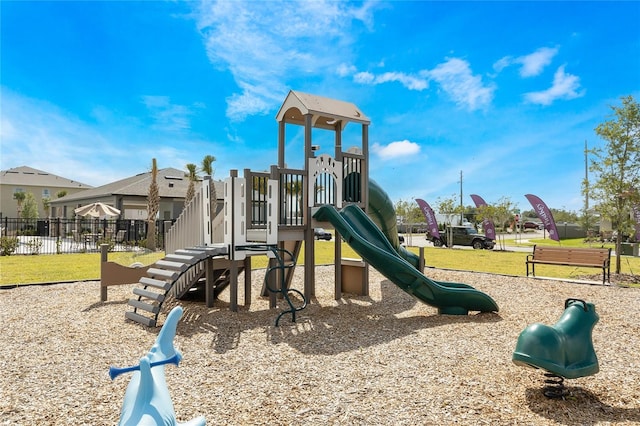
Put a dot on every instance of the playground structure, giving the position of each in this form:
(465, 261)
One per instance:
(273, 213)
(147, 400)
(565, 349)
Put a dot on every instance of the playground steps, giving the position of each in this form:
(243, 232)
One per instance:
(175, 273)
(194, 275)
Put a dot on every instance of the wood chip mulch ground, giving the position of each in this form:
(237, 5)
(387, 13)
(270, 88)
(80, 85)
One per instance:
(382, 359)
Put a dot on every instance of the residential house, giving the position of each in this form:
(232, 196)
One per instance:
(129, 195)
(43, 185)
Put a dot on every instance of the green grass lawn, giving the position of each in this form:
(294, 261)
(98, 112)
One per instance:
(63, 267)
(86, 266)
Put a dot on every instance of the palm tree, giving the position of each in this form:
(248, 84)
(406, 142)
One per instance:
(46, 205)
(294, 190)
(153, 205)
(19, 197)
(260, 184)
(207, 164)
(191, 190)
(207, 168)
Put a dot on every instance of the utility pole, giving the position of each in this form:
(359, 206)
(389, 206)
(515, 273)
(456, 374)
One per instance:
(461, 206)
(586, 188)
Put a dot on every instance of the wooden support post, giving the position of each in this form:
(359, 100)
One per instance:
(208, 289)
(309, 239)
(338, 266)
(233, 286)
(104, 250)
(247, 281)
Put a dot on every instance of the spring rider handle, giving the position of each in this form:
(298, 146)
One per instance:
(115, 371)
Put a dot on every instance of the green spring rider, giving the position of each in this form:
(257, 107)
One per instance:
(564, 350)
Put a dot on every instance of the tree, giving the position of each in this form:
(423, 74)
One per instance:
(29, 207)
(294, 190)
(19, 196)
(207, 165)
(500, 213)
(61, 193)
(617, 168)
(207, 169)
(409, 213)
(46, 205)
(153, 205)
(191, 190)
(559, 215)
(562, 215)
(450, 208)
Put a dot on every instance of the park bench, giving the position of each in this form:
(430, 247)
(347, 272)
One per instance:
(571, 256)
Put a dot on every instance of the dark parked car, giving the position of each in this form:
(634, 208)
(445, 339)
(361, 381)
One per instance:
(463, 236)
(321, 234)
(532, 225)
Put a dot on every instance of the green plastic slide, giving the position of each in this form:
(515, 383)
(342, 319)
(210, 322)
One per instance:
(367, 239)
(383, 214)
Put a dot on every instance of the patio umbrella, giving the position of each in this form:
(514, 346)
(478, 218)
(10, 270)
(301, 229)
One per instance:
(97, 210)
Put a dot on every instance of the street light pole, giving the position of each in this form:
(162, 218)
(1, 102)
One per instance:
(461, 207)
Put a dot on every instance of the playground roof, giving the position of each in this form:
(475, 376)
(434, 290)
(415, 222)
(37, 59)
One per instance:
(326, 112)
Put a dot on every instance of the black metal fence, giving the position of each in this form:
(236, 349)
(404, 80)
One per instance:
(62, 235)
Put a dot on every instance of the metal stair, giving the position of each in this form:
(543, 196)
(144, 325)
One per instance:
(175, 274)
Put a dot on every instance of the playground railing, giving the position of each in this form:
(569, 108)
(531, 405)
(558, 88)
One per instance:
(187, 231)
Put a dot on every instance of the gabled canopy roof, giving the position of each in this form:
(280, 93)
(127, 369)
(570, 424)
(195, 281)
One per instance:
(326, 111)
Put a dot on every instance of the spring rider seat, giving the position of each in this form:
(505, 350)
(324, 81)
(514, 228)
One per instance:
(147, 400)
(564, 350)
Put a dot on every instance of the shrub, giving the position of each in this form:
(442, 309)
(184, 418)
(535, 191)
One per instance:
(107, 241)
(34, 246)
(8, 245)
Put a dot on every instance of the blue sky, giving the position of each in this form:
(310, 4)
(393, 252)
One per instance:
(506, 92)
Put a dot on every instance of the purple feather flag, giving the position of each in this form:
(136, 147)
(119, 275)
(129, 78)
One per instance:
(487, 225)
(432, 224)
(544, 214)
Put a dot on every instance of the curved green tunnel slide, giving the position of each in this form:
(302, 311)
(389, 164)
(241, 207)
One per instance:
(396, 263)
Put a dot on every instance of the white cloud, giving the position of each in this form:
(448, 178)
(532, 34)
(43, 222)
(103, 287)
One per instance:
(364, 78)
(565, 86)
(457, 80)
(110, 146)
(42, 136)
(345, 70)
(454, 77)
(396, 149)
(502, 63)
(167, 116)
(532, 64)
(263, 44)
(408, 81)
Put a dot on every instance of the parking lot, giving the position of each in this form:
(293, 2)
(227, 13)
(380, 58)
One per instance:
(419, 240)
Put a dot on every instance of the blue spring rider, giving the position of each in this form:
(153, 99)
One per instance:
(147, 400)
(564, 350)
